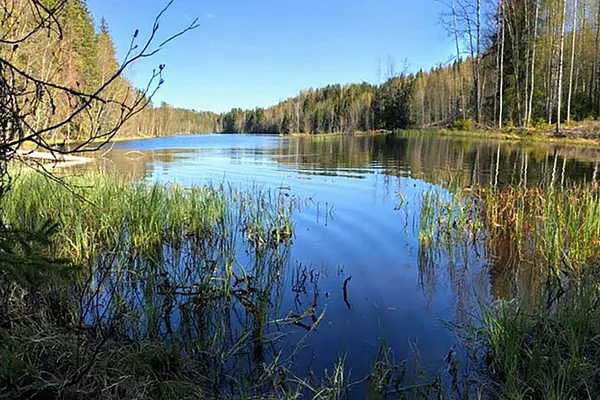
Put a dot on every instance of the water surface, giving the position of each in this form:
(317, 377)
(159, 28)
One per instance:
(360, 220)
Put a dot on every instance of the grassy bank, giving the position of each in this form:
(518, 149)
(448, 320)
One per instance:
(585, 134)
(336, 134)
(575, 137)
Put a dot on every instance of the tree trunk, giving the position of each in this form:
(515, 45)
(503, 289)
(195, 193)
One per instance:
(594, 83)
(527, 62)
(478, 69)
(533, 49)
(560, 67)
(502, 29)
(573, 32)
(580, 65)
(461, 94)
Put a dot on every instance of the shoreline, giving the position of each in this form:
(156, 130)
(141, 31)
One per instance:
(538, 137)
(49, 160)
(485, 133)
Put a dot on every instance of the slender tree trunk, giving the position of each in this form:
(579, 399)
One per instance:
(573, 32)
(594, 83)
(457, 41)
(512, 23)
(502, 29)
(533, 55)
(580, 65)
(478, 88)
(561, 67)
(527, 62)
(551, 65)
(497, 80)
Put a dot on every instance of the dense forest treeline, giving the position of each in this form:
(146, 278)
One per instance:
(335, 108)
(82, 57)
(517, 63)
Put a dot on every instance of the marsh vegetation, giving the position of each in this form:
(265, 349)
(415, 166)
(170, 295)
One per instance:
(119, 289)
(537, 339)
(127, 288)
(133, 286)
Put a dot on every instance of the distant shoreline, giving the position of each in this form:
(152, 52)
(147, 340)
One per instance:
(581, 135)
(541, 136)
(533, 136)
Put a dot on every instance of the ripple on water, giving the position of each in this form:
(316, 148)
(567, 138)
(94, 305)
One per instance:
(359, 178)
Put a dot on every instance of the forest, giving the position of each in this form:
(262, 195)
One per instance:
(517, 63)
(82, 57)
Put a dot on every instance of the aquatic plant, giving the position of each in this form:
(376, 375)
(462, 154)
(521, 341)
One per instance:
(111, 289)
(544, 228)
(152, 265)
(537, 338)
(549, 351)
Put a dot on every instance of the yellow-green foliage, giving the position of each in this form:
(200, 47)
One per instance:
(556, 228)
(463, 125)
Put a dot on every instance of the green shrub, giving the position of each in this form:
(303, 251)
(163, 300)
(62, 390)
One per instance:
(463, 125)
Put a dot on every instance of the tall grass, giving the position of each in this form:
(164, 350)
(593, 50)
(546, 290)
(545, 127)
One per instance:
(550, 351)
(548, 229)
(118, 290)
(151, 266)
(540, 248)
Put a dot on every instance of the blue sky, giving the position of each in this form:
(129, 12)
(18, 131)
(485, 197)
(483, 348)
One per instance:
(249, 53)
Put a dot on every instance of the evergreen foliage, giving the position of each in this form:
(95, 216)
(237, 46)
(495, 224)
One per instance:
(76, 55)
(332, 109)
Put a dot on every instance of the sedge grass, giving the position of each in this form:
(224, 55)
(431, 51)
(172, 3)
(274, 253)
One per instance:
(541, 341)
(549, 351)
(152, 264)
(143, 290)
(549, 229)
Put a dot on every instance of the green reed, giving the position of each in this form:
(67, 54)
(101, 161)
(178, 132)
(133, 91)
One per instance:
(549, 351)
(549, 228)
(159, 264)
(145, 290)
(539, 337)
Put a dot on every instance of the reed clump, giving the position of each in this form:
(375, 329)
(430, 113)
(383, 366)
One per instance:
(540, 247)
(550, 229)
(555, 227)
(550, 351)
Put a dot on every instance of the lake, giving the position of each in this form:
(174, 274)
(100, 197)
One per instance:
(357, 227)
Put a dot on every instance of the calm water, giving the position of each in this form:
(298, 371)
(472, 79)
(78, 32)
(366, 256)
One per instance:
(352, 226)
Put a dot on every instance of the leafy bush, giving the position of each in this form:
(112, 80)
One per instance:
(463, 125)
